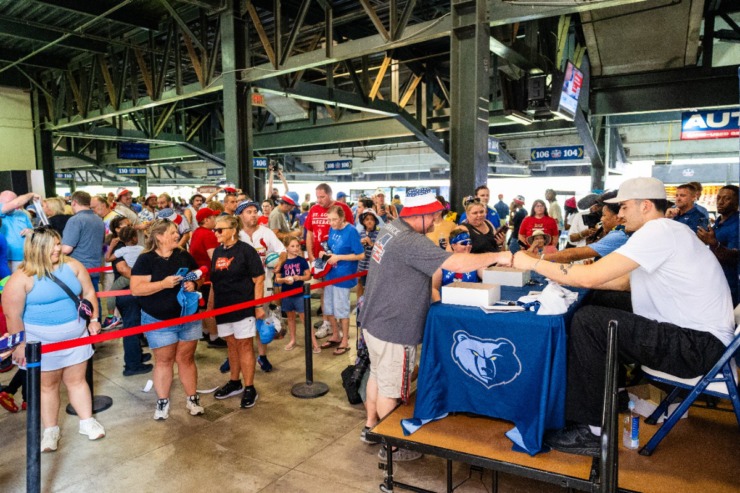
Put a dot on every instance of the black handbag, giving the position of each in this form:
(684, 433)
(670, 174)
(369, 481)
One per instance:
(84, 307)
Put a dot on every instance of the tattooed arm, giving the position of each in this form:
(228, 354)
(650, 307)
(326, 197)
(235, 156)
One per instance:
(607, 273)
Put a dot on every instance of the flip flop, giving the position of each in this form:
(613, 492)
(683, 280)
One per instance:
(316, 350)
(289, 347)
(340, 351)
(330, 344)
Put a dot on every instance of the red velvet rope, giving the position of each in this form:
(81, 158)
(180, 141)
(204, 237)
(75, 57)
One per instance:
(107, 336)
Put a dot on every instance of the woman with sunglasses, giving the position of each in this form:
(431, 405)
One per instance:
(460, 242)
(34, 302)
(156, 283)
(483, 235)
(237, 276)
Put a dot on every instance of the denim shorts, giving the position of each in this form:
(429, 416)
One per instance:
(336, 302)
(292, 304)
(170, 335)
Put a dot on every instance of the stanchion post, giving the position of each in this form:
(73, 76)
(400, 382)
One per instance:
(33, 420)
(309, 389)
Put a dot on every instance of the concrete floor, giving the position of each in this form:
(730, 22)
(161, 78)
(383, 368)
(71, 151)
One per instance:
(283, 444)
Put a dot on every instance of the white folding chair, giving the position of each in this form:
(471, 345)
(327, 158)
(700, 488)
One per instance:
(721, 381)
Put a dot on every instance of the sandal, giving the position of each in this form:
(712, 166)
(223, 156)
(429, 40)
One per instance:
(316, 350)
(330, 344)
(340, 351)
(289, 346)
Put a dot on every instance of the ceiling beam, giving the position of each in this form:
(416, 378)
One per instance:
(134, 18)
(668, 90)
(38, 61)
(17, 29)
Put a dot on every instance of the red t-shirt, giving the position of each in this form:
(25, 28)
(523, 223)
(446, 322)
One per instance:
(544, 223)
(318, 223)
(201, 241)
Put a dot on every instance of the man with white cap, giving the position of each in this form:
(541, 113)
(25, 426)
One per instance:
(393, 325)
(677, 327)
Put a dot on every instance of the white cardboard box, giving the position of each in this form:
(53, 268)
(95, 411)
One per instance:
(506, 276)
(470, 294)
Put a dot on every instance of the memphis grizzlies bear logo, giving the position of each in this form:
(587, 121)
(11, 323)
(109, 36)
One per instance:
(490, 361)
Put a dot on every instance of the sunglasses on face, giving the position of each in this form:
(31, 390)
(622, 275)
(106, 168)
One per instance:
(220, 230)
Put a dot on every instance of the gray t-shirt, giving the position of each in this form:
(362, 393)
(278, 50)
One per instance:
(399, 288)
(85, 232)
(278, 221)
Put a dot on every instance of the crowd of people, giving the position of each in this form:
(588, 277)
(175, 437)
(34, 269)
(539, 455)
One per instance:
(227, 249)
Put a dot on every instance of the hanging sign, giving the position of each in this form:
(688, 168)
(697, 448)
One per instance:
(563, 153)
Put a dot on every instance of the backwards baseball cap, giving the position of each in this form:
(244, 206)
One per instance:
(204, 213)
(421, 201)
(170, 215)
(571, 202)
(285, 199)
(519, 199)
(341, 195)
(639, 189)
(247, 203)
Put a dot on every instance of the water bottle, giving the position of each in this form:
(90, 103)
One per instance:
(631, 430)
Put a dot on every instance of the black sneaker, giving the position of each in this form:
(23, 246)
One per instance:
(249, 397)
(574, 439)
(265, 364)
(232, 388)
(139, 370)
(217, 343)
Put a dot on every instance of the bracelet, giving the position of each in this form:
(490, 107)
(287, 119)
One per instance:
(534, 267)
(94, 320)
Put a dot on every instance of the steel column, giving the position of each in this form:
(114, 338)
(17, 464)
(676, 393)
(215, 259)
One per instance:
(237, 99)
(470, 61)
(43, 144)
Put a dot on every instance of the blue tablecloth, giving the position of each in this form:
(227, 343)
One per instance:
(503, 365)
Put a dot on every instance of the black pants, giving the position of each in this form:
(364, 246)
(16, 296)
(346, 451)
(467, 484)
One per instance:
(665, 347)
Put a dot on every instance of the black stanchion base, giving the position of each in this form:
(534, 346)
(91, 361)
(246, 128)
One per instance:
(309, 390)
(100, 403)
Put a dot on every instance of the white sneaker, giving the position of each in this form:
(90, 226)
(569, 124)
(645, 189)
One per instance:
(193, 405)
(324, 330)
(163, 409)
(50, 440)
(92, 428)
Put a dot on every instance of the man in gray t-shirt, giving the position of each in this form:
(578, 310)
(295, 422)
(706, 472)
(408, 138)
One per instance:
(278, 221)
(397, 298)
(84, 235)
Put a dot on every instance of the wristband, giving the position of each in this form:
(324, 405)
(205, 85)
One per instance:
(94, 320)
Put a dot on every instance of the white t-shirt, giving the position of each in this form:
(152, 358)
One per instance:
(265, 241)
(679, 280)
(576, 226)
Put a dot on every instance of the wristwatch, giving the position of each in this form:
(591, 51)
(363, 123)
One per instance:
(94, 320)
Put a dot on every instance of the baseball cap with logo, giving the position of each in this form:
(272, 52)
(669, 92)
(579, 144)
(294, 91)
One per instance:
(639, 189)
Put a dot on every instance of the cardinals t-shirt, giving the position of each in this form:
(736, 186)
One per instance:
(232, 270)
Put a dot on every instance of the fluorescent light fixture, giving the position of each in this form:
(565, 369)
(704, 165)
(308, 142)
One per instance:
(518, 117)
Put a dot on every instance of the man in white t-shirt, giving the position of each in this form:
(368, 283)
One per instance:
(677, 327)
(265, 241)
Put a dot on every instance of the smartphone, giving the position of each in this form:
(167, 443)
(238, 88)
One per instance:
(503, 229)
(12, 341)
(182, 271)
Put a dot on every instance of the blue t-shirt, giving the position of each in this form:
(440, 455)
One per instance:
(693, 218)
(343, 242)
(610, 242)
(13, 223)
(293, 267)
(491, 216)
(727, 235)
(85, 232)
(4, 269)
(501, 209)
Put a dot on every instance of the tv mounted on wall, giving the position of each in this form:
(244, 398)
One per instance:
(565, 102)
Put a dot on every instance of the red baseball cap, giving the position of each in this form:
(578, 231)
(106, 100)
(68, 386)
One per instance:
(204, 213)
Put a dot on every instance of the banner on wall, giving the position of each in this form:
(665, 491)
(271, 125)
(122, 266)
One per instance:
(710, 124)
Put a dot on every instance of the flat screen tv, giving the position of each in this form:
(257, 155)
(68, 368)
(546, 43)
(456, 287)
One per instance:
(565, 100)
(133, 150)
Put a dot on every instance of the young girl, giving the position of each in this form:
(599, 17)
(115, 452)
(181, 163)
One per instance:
(292, 274)
(368, 234)
(129, 253)
(459, 243)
